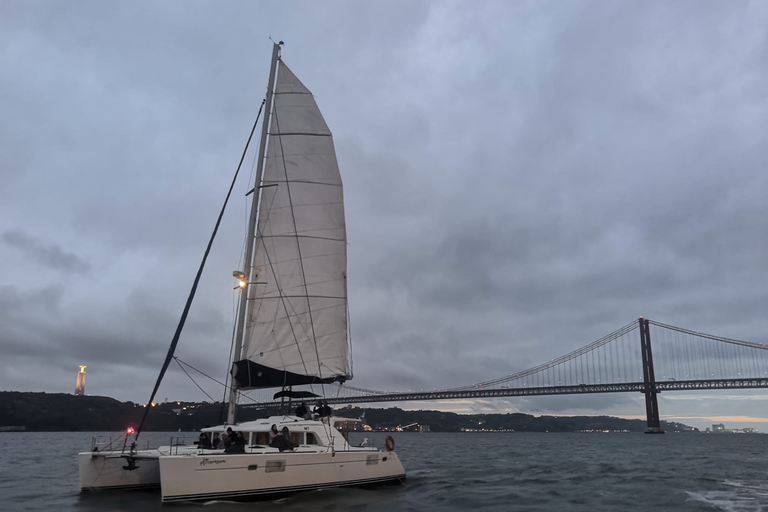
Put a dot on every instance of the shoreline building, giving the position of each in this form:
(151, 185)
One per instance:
(80, 386)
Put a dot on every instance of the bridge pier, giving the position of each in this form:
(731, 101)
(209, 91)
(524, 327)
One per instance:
(649, 381)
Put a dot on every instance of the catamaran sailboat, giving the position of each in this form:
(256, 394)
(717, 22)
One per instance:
(291, 330)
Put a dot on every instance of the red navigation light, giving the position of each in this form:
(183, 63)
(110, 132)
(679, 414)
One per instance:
(130, 430)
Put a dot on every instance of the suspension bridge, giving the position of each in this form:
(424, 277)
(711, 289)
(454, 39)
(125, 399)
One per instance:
(644, 356)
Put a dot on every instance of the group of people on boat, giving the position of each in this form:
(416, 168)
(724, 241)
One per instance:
(230, 441)
(234, 442)
(321, 410)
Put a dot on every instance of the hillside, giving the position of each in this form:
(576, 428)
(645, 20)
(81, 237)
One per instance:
(64, 412)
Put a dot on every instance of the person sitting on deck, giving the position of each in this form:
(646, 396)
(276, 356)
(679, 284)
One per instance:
(301, 411)
(238, 443)
(217, 443)
(203, 442)
(282, 442)
(273, 433)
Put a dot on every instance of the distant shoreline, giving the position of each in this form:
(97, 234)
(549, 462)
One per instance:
(57, 412)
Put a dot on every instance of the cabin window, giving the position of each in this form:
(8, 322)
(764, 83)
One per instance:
(296, 439)
(311, 439)
(261, 438)
(275, 466)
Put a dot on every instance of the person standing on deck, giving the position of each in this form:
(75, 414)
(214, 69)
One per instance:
(227, 438)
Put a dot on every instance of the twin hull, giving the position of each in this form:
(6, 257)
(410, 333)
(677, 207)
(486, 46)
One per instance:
(105, 470)
(211, 476)
(204, 477)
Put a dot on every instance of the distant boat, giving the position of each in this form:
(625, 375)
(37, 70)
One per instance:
(291, 331)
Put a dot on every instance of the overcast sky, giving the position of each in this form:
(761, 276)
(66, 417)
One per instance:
(521, 178)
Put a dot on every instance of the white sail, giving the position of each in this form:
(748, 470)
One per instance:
(296, 330)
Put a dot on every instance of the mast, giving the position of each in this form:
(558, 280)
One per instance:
(251, 235)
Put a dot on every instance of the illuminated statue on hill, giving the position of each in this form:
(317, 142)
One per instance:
(80, 387)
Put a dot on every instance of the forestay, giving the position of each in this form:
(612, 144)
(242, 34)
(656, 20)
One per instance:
(296, 329)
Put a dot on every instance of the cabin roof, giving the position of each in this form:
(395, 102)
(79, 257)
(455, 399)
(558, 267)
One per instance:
(264, 424)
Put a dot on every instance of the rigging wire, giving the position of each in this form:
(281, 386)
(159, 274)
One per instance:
(181, 362)
(350, 362)
(282, 298)
(301, 263)
(240, 262)
(298, 248)
(260, 237)
(303, 272)
(192, 292)
(193, 380)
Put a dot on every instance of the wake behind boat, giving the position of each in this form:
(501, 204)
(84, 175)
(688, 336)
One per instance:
(291, 331)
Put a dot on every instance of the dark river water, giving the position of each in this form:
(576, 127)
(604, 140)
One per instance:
(457, 472)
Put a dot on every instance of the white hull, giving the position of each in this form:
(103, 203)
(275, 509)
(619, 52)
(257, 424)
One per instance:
(243, 476)
(105, 470)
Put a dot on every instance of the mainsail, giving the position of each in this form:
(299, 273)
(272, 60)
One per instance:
(296, 323)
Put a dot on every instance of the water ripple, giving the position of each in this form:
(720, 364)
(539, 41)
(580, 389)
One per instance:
(455, 472)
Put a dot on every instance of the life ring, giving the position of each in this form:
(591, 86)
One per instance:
(389, 443)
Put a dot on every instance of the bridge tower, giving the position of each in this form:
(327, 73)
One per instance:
(80, 387)
(649, 380)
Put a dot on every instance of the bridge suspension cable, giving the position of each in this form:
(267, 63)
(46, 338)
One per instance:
(684, 360)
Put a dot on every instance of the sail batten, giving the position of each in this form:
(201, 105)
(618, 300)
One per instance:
(296, 324)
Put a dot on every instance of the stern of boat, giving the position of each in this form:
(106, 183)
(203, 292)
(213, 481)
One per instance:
(112, 471)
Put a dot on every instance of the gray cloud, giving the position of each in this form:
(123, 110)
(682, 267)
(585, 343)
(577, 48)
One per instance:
(50, 255)
(520, 180)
